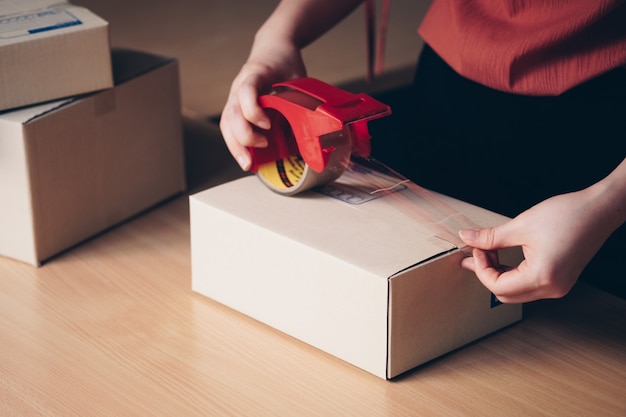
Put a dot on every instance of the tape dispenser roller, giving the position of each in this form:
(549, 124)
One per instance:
(315, 128)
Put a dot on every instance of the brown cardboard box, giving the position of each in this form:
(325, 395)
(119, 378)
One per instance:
(50, 49)
(72, 168)
(372, 277)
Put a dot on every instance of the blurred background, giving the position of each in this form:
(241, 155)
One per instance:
(211, 40)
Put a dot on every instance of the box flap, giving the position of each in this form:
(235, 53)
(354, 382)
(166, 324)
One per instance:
(388, 241)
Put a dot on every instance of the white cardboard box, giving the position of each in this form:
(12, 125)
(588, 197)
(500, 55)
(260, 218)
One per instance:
(72, 168)
(50, 49)
(374, 279)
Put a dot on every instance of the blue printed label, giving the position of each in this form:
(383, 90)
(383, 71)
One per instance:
(28, 24)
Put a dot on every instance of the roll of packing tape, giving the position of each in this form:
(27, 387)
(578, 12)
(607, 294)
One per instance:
(315, 127)
(292, 175)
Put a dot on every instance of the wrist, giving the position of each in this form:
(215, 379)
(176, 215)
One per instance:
(608, 198)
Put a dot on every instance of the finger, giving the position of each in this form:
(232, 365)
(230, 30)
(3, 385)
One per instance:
(239, 134)
(245, 133)
(468, 263)
(509, 284)
(491, 238)
(237, 150)
(487, 264)
(249, 101)
(492, 259)
(503, 292)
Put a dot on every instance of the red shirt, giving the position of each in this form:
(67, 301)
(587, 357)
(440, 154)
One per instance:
(532, 47)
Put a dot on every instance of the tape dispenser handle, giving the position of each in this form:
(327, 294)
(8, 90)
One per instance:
(302, 110)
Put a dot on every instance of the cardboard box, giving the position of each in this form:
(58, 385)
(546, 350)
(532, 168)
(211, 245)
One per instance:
(72, 168)
(372, 277)
(50, 49)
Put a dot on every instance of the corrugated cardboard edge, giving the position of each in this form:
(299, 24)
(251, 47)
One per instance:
(16, 225)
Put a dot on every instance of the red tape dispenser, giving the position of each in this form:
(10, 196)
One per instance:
(315, 127)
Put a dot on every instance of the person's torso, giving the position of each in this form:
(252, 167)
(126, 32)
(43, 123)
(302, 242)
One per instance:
(533, 47)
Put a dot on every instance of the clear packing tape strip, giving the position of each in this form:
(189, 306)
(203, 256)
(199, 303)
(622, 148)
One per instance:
(359, 180)
(422, 205)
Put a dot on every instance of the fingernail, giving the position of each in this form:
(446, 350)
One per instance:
(468, 234)
(244, 162)
(263, 124)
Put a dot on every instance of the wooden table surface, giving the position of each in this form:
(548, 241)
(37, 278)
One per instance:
(111, 328)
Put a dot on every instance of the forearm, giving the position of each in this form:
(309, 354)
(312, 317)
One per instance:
(301, 22)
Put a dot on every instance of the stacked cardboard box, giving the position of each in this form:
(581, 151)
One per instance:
(88, 136)
(50, 49)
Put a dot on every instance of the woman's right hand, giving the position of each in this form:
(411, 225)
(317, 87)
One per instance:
(275, 56)
(243, 120)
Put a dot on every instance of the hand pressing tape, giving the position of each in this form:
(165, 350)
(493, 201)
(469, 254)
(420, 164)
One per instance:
(315, 128)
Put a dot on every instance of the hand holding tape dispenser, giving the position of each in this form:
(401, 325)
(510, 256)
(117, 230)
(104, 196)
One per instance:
(315, 127)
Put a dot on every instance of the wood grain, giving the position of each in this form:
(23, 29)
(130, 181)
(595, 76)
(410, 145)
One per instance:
(112, 328)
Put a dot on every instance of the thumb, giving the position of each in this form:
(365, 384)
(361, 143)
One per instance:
(486, 239)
